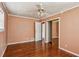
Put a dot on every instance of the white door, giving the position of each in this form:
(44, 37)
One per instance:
(37, 31)
(47, 32)
(43, 31)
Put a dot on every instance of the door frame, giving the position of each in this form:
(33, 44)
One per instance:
(59, 20)
(41, 29)
(35, 31)
(46, 27)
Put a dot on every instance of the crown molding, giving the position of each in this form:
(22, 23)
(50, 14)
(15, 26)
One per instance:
(22, 16)
(1, 10)
(61, 11)
(48, 15)
(3, 7)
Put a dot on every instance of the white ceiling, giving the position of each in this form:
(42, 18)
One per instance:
(29, 9)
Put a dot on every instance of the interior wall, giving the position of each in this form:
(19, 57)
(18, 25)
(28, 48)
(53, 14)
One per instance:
(54, 29)
(69, 30)
(20, 29)
(3, 36)
(2, 43)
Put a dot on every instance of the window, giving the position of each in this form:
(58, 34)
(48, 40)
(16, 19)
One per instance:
(1, 20)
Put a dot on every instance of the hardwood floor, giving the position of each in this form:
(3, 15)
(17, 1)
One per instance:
(36, 49)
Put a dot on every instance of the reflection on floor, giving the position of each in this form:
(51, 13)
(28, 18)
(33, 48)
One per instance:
(36, 49)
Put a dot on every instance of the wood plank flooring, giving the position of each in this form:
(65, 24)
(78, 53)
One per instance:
(36, 49)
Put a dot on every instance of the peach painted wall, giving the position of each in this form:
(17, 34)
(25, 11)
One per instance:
(54, 29)
(20, 29)
(69, 34)
(2, 43)
(3, 36)
(69, 30)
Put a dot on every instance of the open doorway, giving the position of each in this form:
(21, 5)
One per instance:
(53, 33)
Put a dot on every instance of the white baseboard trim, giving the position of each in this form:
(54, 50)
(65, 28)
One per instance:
(19, 42)
(3, 51)
(37, 40)
(69, 51)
